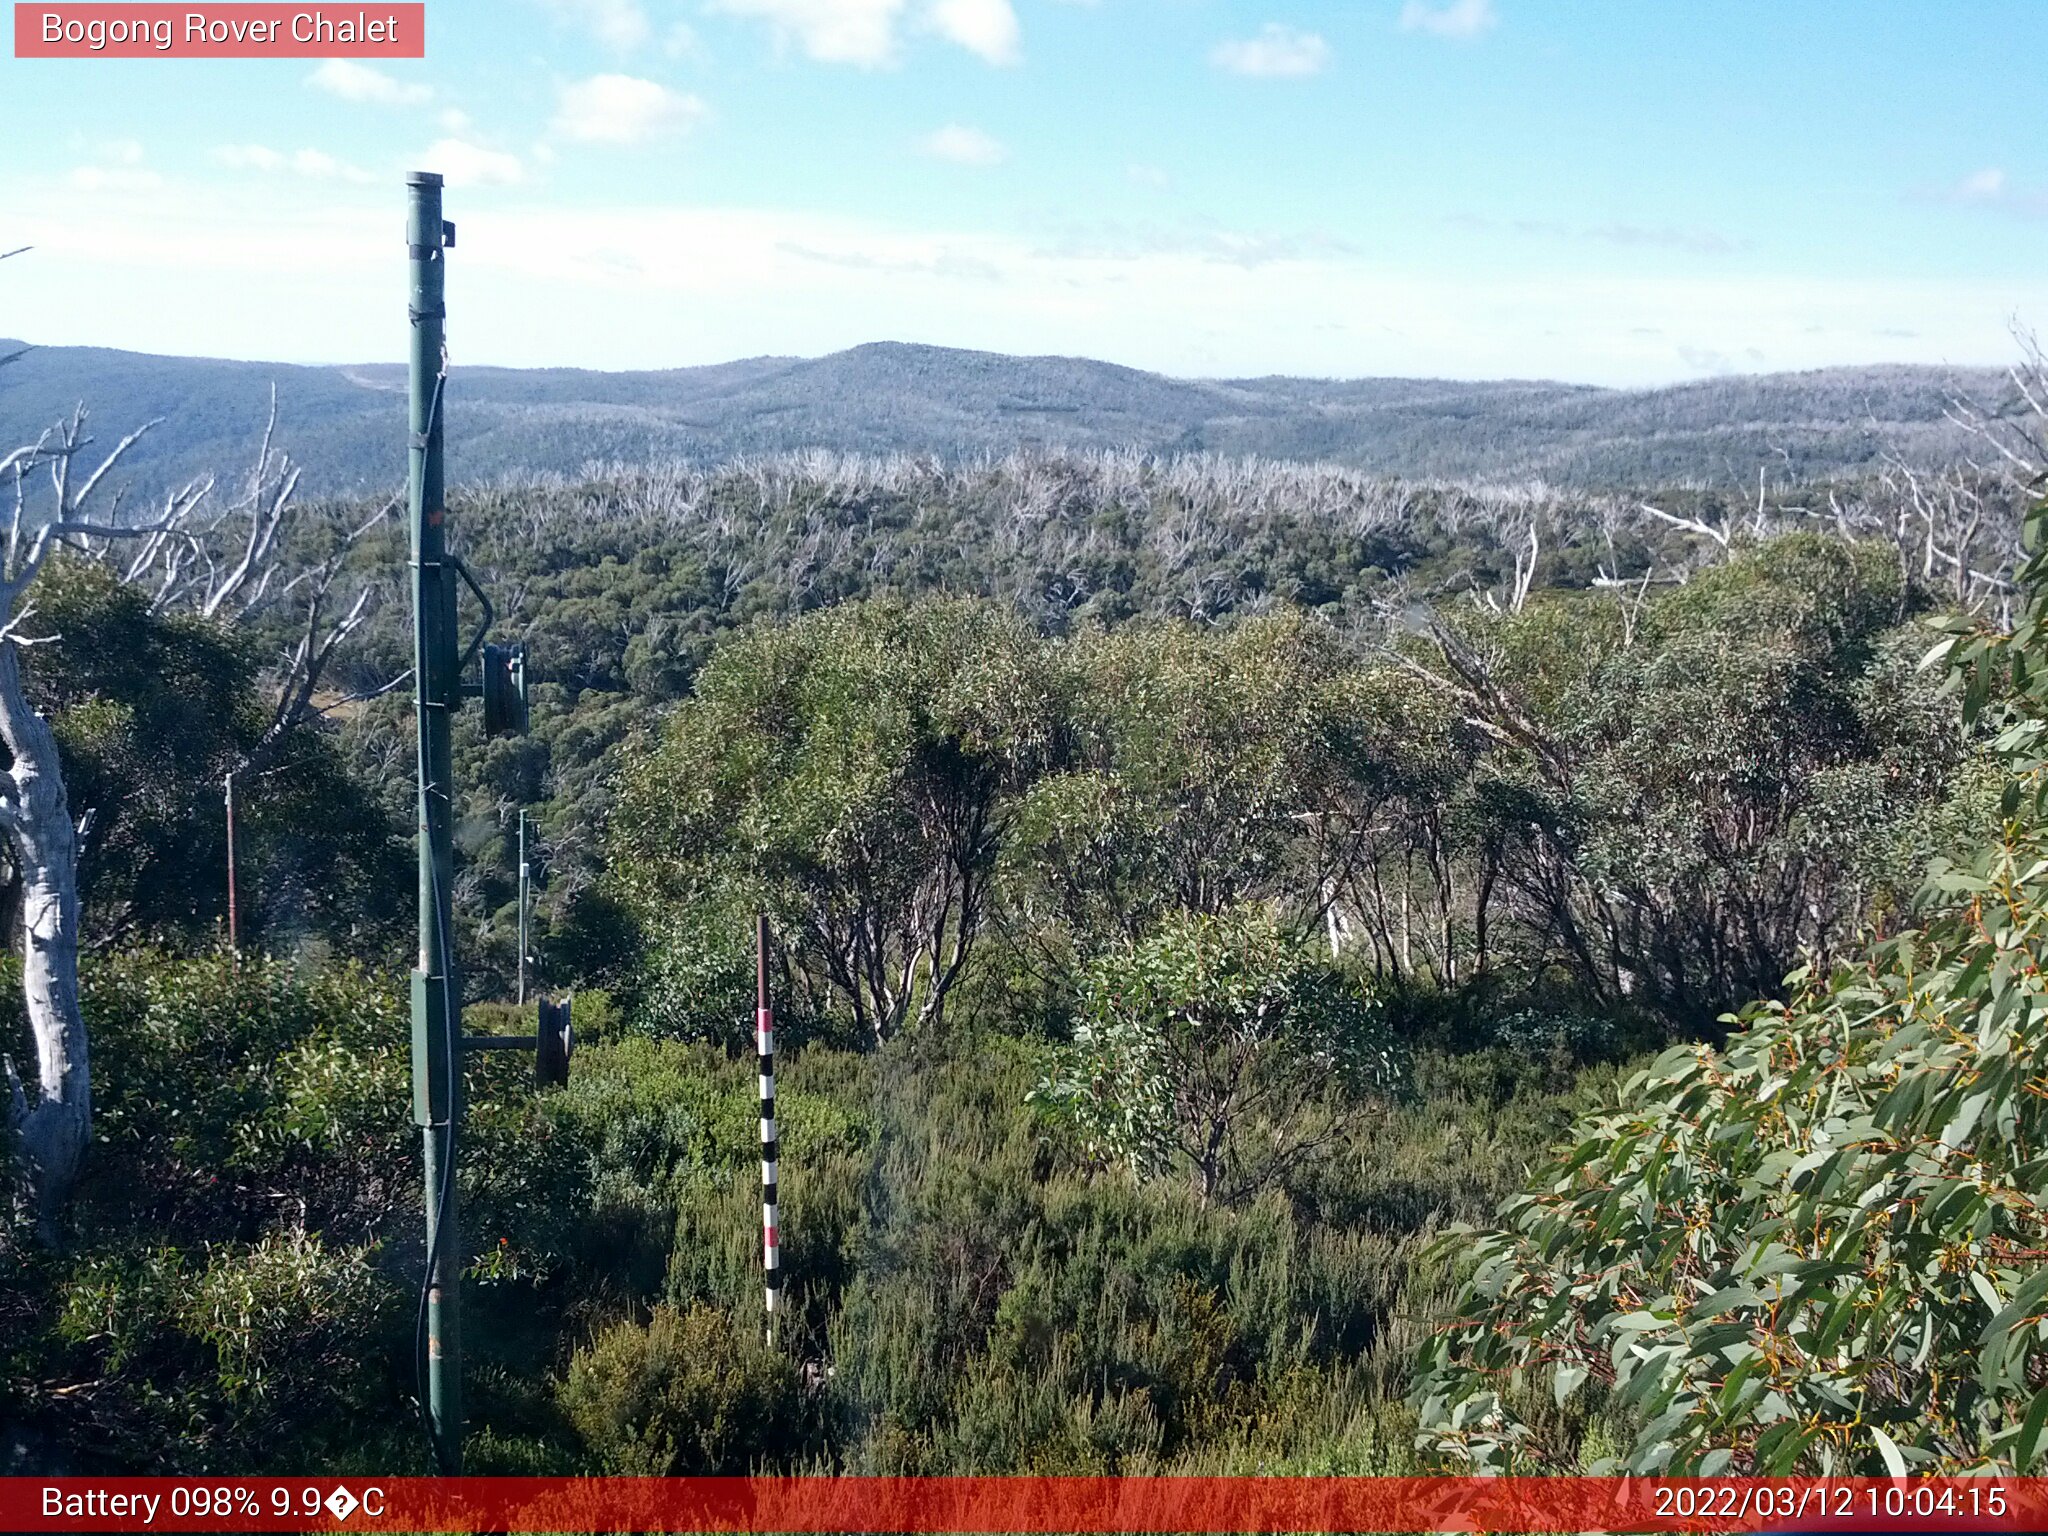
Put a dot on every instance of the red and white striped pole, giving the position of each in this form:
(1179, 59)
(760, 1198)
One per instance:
(764, 1040)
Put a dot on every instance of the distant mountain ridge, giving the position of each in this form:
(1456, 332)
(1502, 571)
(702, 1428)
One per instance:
(345, 424)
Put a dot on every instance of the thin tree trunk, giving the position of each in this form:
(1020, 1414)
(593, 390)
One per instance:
(52, 1132)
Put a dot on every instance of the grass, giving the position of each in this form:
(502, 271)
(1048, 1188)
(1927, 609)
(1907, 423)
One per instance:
(968, 1292)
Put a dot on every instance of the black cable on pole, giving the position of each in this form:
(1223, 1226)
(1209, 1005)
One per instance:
(419, 1340)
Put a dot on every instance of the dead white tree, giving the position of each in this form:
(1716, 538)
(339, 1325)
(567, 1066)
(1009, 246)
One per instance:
(2015, 431)
(1951, 523)
(224, 560)
(1688, 524)
(1525, 571)
(1635, 596)
(225, 566)
(1526, 555)
(50, 1131)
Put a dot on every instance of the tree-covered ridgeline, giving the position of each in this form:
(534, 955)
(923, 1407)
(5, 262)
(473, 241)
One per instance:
(620, 585)
(893, 397)
(1196, 885)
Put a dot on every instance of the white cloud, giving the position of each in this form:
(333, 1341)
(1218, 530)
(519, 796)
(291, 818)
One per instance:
(1693, 239)
(1990, 188)
(962, 145)
(1456, 18)
(1278, 52)
(119, 169)
(358, 82)
(101, 178)
(831, 31)
(620, 24)
(313, 164)
(324, 167)
(1987, 185)
(622, 109)
(471, 165)
(987, 28)
(1120, 240)
(864, 32)
(249, 157)
(456, 121)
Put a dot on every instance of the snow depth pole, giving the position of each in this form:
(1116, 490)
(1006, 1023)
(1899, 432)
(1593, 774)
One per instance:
(234, 930)
(437, 692)
(521, 997)
(764, 1040)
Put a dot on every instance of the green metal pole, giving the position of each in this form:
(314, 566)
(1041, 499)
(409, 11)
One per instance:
(437, 691)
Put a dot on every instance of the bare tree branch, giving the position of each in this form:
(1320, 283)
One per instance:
(1690, 524)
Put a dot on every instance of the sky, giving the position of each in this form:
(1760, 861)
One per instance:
(1622, 192)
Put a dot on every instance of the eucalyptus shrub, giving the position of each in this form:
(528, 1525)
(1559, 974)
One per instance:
(225, 1298)
(1821, 1247)
(848, 773)
(689, 1393)
(1218, 1048)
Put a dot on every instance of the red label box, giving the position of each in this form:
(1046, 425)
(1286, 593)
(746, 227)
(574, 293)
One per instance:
(961, 1506)
(368, 29)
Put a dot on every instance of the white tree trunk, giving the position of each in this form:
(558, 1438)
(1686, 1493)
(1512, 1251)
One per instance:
(52, 1130)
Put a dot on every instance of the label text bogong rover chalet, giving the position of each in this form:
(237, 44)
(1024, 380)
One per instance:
(235, 31)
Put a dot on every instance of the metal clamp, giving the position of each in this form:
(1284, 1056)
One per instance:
(484, 628)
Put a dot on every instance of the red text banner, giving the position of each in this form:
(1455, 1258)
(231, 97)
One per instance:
(234, 31)
(1024, 1504)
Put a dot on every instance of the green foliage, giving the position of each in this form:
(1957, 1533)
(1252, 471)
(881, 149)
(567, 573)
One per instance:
(286, 1086)
(1007, 1308)
(587, 1189)
(1818, 1248)
(627, 582)
(968, 1292)
(1106, 805)
(1218, 1048)
(146, 710)
(690, 1393)
(150, 710)
(846, 772)
(1681, 807)
(223, 1303)
(1203, 767)
(283, 1318)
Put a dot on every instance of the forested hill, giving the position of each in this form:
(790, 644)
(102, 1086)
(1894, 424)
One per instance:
(344, 424)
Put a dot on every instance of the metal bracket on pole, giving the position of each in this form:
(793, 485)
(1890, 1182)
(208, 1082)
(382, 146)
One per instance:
(552, 1045)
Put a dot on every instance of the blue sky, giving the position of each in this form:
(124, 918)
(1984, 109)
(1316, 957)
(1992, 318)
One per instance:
(1615, 191)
